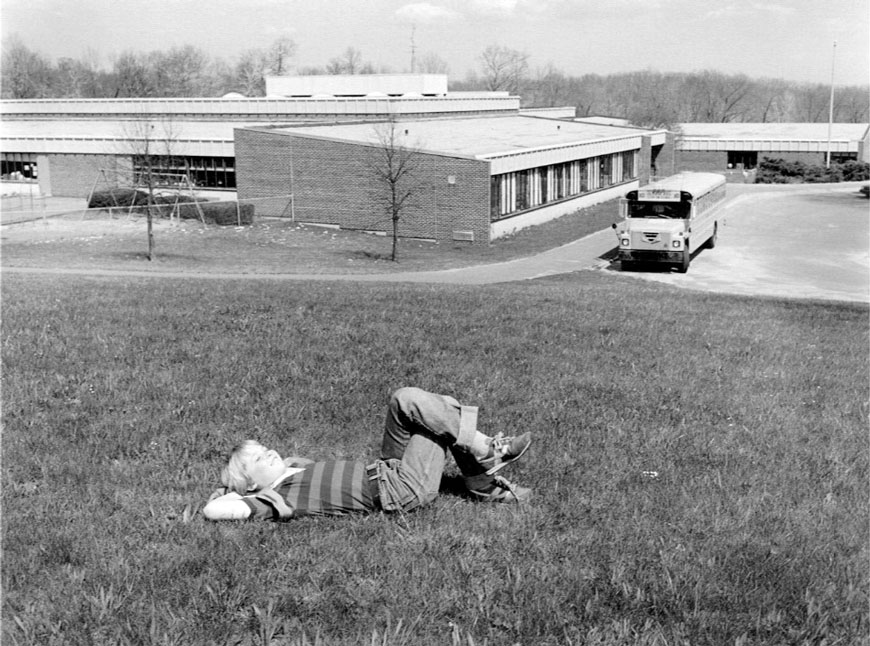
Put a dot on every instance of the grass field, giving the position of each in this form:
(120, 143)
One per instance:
(271, 246)
(699, 467)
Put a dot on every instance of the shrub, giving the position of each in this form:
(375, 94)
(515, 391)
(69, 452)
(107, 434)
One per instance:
(117, 197)
(132, 197)
(220, 213)
(779, 171)
(855, 171)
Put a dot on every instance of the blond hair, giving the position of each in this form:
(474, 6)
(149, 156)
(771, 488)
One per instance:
(235, 474)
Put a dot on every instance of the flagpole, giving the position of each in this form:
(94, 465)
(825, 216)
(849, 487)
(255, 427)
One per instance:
(831, 108)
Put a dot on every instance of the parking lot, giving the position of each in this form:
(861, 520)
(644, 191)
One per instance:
(798, 243)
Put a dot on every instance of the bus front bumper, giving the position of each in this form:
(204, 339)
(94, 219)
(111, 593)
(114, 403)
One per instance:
(635, 255)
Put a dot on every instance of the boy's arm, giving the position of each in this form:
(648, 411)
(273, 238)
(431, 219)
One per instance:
(226, 507)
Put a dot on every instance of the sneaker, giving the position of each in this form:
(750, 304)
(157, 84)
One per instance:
(505, 450)
(500, 490)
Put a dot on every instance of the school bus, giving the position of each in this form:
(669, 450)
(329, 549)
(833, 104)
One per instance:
(665, 222)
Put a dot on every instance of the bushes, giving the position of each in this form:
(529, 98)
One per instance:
(779, 171)
(220, 213)
(117, 197)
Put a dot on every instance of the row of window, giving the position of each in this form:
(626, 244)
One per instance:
(204, 172)
(519, 191)
(748, 159)
(711, 199)
(19, 166)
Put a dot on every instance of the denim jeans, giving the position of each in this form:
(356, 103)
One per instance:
(420, 428)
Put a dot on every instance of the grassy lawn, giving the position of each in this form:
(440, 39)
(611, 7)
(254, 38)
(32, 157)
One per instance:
(269, 246)
(699, 467)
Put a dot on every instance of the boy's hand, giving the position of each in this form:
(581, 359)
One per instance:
(220, 491)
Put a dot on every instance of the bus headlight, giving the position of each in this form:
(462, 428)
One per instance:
(676, 244)
(624, 242)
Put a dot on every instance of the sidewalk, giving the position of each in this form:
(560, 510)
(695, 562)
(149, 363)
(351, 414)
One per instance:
(24, 207)
(587, 253)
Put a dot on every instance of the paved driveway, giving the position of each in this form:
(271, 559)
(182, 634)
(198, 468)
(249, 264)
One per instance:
(798, 243)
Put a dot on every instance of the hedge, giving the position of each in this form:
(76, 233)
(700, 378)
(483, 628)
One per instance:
(219, 213)
(779, 171)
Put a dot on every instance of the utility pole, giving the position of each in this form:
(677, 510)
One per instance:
(831, 108)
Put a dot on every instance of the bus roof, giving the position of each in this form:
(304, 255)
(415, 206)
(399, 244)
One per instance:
(694, 183)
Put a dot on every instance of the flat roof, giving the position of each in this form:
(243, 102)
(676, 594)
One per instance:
(117, 129)
(768, 131)
(478, 137)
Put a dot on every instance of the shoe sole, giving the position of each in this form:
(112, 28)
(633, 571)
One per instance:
(510, 498)
(501, 466)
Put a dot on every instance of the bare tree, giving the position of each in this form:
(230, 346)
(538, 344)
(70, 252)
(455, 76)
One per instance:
(249, 73)
(73, 79)
(504, 68)
(25, 74)
(395, 168)
(150, 144)
(852, 105)
(180, 72)
(431, 63)
(133, 77)
(279, 54)
(350, 62)
(812, 103)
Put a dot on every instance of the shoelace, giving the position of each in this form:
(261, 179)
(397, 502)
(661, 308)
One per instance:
(500, 444)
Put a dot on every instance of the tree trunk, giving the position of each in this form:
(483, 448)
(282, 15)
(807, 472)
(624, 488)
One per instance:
(150, 235)
(149, 218)
(395, 236)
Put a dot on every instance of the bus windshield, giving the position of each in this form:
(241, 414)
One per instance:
(667, 210)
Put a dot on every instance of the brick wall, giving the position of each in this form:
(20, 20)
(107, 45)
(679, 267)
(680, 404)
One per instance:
(644, 160)
(334, 183)
(702, 161)
(75, 175)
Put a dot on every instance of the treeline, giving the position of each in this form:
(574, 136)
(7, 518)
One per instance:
(645, 98)
(656, 99)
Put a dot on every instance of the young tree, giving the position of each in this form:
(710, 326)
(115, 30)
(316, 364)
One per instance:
(395, 168)
(150, 144)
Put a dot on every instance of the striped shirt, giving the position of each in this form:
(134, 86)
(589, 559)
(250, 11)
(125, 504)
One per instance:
(329, 488)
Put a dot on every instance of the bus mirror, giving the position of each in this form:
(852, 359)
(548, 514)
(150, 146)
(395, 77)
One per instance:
(613, 225)
(623, 208)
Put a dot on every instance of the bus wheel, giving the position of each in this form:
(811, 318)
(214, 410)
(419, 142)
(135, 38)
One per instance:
(711, 243)
(687, 258)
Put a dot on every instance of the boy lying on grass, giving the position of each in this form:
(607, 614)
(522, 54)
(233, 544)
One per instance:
(420, 428)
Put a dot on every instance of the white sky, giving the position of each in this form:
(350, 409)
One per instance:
(790, 39)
